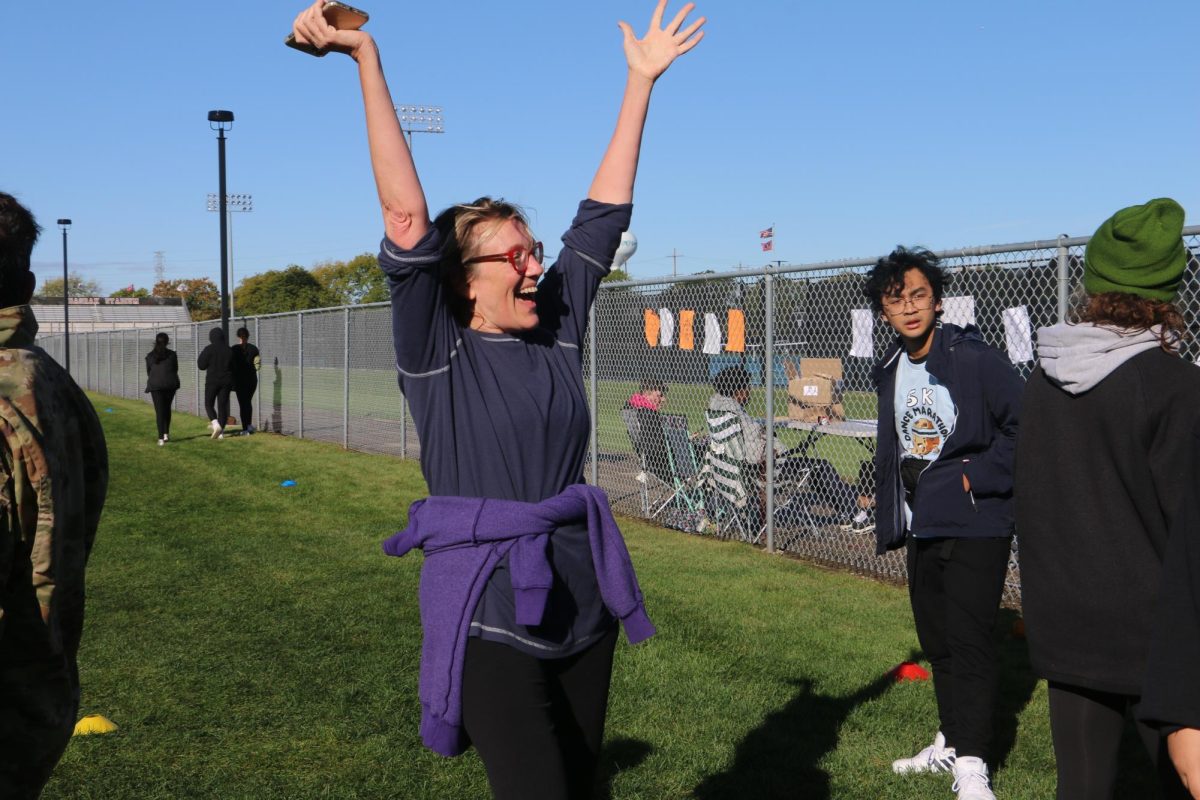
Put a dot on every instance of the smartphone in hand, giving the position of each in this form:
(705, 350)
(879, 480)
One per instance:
(340, 16)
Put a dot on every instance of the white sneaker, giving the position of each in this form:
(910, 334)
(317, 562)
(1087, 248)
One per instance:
(161, 442)
(215, 427)
(221, 435)
(971, 779)
(935, 758)
(166, 437)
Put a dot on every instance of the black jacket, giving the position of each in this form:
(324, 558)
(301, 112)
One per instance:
(244, 365)
(1172, 693)
(1100, 479)
(162, 373)
(986, 391)
(215, 360)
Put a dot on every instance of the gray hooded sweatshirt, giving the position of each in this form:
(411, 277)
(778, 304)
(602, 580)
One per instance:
(1077, 357)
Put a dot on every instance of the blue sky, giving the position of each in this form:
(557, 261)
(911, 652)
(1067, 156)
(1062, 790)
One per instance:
(850, 126)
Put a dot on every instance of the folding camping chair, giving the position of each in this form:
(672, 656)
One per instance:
(684, 509)
(651, 487)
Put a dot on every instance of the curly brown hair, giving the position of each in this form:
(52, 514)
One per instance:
(1131, 312)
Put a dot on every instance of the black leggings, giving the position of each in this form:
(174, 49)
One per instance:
(219, 411)
(537, 723)
(162, 409)
(245, 398)
(1086, 727)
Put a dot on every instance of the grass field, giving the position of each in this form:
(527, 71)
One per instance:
(251, 641)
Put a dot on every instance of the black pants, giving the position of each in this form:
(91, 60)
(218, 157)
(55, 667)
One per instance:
(162, 409)
(955, 587)
(537, 723)
(216, 403)
(39, 697)
(1086, 726)
(245, 398)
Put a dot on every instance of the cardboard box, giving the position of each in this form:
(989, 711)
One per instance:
(815, 389)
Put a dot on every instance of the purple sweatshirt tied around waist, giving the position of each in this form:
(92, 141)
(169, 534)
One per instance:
(463, 539)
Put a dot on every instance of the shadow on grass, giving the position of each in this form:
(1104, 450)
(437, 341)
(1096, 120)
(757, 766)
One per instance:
(1015, 687)
(617, 756)
(781, 757)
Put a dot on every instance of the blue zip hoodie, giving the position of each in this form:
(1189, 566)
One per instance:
(987, 394)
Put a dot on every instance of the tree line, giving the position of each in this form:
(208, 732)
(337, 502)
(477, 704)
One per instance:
(293, 288)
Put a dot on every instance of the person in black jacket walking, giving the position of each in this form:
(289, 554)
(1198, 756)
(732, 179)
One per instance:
(1104, 462)
(245, 364)
(215, 360)
(162, 380)
(948, 410)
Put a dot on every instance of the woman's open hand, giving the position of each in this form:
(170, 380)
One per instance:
(650, 56)
(311, 27)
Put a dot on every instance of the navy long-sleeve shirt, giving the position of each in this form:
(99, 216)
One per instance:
(506, 416)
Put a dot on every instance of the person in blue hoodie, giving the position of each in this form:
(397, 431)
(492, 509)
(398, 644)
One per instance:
(948, 410)
(1105, 461)
(519, 630)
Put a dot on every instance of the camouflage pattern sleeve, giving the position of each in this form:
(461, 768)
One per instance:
(55, 465)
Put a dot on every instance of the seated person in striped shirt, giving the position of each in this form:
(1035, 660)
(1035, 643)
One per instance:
(738, 452)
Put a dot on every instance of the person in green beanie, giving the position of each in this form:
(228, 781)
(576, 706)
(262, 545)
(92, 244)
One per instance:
(1104, 458)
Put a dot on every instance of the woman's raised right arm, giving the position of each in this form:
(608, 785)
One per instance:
(405, 214)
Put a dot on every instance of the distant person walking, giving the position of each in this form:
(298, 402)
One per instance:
(246, 363)
(56, 465)
(216, 361)
(162, 380)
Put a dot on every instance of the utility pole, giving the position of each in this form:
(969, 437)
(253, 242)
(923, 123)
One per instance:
(674, 262)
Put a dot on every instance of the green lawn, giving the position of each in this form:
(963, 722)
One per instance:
(251, 641)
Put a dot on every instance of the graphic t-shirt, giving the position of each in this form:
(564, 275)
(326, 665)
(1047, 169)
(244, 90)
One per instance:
(925, 416)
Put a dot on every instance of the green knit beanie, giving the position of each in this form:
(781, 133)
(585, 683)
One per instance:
(1138, 250)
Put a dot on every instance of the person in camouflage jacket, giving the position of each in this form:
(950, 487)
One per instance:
(53, 479)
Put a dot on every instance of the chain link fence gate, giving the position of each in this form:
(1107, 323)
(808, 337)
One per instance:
(329, 374)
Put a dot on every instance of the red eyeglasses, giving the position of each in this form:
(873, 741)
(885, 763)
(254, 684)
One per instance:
(517, 257)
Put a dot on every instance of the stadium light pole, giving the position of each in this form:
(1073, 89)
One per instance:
(64, 224)
(221, 121)
(420, 119)
(233, 202)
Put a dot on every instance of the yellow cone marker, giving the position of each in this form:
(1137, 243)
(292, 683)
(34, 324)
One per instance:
(94, 723)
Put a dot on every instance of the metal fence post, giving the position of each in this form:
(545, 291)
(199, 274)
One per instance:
(769, 379)
(592, 380)
(346, 380)
(300, 369)
(1064, 277)
(123, 393)
(258, 339)
(403, 425)
(195, 326)
(175, 341)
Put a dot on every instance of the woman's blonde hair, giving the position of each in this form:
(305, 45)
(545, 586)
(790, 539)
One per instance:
(465, 227)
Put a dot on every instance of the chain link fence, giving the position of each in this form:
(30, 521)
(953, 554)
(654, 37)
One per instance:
(803, 334)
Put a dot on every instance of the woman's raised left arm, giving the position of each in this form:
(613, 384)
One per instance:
(648, 58)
